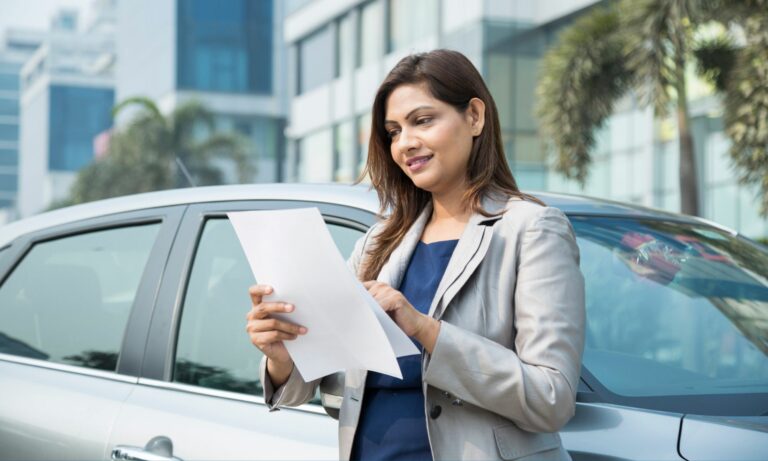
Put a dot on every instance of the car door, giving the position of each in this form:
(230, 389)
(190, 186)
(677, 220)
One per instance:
(200, 390)
(75, 303)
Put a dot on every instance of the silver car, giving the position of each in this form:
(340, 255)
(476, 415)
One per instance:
(122, 332)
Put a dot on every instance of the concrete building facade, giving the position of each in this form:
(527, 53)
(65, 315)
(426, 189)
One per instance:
(340, 50)
(16, 46)
(67, 94)
(227, 55)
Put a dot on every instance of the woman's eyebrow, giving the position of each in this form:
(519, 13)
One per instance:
(409, 113)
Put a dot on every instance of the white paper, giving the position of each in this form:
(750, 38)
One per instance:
(293, 252)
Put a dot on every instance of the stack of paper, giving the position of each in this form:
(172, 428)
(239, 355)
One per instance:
(292, 251)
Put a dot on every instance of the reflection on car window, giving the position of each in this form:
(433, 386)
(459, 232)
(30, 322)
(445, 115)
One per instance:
(673, 309)
(212, 348)
(69, 299)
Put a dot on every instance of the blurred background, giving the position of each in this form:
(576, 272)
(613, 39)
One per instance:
(652, 102)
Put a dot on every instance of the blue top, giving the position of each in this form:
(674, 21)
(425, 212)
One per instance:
(392, 422)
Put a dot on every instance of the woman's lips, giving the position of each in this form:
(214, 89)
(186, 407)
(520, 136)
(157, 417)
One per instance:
(417, 163)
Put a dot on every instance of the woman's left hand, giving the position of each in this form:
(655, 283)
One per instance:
(413, 323)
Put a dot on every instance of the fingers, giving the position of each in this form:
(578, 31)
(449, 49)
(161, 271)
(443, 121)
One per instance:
(259, 291)
(272, 324)
(382, 293)
(262, 310)
(375, 283)
(263, 340)
(374, 287)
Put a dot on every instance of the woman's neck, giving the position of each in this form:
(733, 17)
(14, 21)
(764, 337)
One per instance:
(449, 217)
(450, 205)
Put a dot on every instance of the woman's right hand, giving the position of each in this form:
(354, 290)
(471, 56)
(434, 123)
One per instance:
(268, 333)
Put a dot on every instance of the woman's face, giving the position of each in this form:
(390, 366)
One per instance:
(430, 140)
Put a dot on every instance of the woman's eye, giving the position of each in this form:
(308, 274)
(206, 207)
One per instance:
(393, 133)
(424, 120)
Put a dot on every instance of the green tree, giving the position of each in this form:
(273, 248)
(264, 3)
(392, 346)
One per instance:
(645, 46)
(743, 79)
(155, 151)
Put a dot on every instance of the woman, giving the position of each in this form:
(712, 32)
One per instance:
(484, 278)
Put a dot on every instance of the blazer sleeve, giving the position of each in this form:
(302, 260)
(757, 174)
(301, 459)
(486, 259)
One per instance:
(295, 391)
(534, 385)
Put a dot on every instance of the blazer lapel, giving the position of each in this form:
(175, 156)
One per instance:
(470, 251)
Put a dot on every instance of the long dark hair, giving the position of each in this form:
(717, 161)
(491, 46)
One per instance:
(450, 77)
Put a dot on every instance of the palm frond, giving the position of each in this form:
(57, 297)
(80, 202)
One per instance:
(582, 77)
(715, 59)
(146, 103)
(189, 117)
(746, 108)
(232, 147)
(652, 47)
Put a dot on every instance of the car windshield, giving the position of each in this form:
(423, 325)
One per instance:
(673, 308)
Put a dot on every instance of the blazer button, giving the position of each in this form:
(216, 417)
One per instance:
(435, 411)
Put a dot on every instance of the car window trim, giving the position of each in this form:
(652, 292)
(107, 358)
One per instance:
(131, 350)
(160, 353)
(74, 369)
(221, 394)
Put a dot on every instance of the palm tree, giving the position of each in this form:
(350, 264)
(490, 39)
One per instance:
(632, 45)
(743, 78)
(154, 152)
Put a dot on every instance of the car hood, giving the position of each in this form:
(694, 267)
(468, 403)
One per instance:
(719, 437)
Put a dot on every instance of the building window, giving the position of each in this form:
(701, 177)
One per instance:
(9, 182)
(225, 46)
(77, 115)
(9, 132)
(9, 157)
(371, 33)
(9, 107)
(262, 134)
(316, 61)
(345, 45)
(410, 21)
(344, 153)
(316, 157)
(363, 137)
(9, 82)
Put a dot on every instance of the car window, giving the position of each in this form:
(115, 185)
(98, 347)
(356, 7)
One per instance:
(673, 308)
(68, 300)
(213, 350)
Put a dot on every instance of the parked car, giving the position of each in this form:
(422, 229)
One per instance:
(122, 332)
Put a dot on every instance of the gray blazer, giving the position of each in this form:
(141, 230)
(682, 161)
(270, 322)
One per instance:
(502, 378)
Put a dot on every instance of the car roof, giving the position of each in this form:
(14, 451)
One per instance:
(355, 196)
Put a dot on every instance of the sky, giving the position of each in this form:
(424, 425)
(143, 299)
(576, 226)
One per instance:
(35, 13)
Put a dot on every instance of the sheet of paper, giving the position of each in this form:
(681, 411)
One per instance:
(292, 251)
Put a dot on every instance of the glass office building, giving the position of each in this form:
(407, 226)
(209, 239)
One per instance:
(77, 115)
(16, 47)
(227, 55)
(225, 46)
(67, 95)
(340, 51)
(9, 131)
(636, 154)
(338, 57)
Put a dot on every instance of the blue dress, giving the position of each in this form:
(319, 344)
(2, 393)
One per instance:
(392, 422)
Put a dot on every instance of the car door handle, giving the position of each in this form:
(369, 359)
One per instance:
(159, 448)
